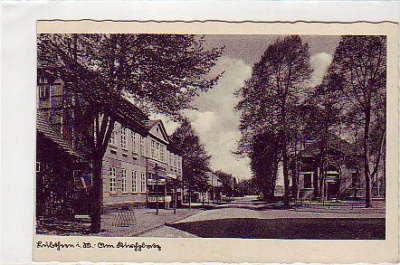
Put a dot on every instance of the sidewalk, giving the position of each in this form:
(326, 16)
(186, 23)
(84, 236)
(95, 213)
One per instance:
(146, 219)
(341, 205)
(115, 224)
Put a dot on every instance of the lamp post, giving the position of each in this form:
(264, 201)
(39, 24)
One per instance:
(175, 197)
(156, 169)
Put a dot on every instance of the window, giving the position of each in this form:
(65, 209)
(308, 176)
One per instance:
(44, 91)
(113, 139)
(162, 153)
(355, 180)
(153, 149)
(134, 142)
(124, 179)
(56, 90)
(42, 81)
(123, 137)
(157, 150)
(37, 167)
(307, 181)
(134, 181)
(143, 182)
(113, 179)
(142, 145)
(172, 160)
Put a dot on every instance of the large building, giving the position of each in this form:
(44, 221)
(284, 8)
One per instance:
(140, 167)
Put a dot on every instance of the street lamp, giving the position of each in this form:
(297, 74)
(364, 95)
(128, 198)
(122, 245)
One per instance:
(156, 169)
(175, 195)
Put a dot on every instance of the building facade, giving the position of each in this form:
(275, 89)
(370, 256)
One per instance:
(139, 156)
(55, 187)
(338, 174)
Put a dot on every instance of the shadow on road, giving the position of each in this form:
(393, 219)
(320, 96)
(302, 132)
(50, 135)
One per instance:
(288, 228)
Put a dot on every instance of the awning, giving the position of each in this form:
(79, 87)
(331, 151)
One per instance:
(171, 176)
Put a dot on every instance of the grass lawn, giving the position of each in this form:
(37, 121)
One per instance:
(288, 228)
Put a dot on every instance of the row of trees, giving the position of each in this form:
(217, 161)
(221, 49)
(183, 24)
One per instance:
(196, 162)
(278, 107)
(159, 73)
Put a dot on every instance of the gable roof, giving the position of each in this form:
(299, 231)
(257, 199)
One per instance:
(162, 135)
(334, 143)
(51, 134)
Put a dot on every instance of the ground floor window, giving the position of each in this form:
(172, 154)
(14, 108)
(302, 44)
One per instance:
(134, 181)
(355, 180)
(307, 181)
(143, 181)
(124, 180)
(113, 178)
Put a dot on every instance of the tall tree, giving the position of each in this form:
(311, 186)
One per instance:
(320, 114)
(264, 160)
(159, 73)
(196, 161)
(277, 83)
(358, 70)
(228, 182)
(246, 187)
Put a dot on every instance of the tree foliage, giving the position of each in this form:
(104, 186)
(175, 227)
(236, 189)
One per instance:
(228, 182)
(358, 71)
(264, 160)
(269, 97)
(196, 161)
(159, 73)
(247, 187)
(162, 73)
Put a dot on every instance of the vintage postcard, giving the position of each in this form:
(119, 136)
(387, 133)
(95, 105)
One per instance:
(174, 141)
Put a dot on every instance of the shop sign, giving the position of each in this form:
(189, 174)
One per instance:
(152, 182)
(155, 199)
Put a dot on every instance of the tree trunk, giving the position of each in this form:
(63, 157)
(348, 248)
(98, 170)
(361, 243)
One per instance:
(295, 173)
(274, 174)
(97, 203)
(285, 172)
(368, 188)
(322, 194)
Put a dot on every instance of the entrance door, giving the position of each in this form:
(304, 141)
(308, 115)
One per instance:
(332, 181)
(333, 189)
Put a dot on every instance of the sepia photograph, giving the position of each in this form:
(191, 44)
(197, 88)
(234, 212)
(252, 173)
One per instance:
(229, 136)
(151, 139)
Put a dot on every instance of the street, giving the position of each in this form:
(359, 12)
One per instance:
(242, 219)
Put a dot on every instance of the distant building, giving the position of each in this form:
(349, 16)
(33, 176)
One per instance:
(215, 184)
(342, 168)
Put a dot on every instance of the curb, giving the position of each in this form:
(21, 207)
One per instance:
(158, 226)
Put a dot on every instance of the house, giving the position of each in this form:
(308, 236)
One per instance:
(338, 171)
(56, 163)
(215, 184)
(138, 158)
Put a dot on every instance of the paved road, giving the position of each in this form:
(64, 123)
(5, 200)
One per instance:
(240, 219)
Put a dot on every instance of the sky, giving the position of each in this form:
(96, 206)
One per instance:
(215, 120)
